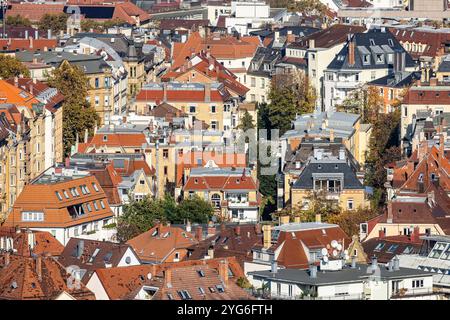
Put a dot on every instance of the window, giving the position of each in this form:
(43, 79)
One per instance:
(105, 138)
(214, 125)
(184, 294)
(165, 153)
(192, 109)
(213, 109)
(373, 75)
(97, 100)
(94, 185)
(102, 204)
(97, 82)
(201, 290)
(379, 246)
(58, 195)
(350, 205)
(279, 289)
(417, 283)
(75, 231)
(220, 288)
(32, 216)
(290, 290)
(391, 43)
(165, 170)
(201, 274)
(392, 248)
(95, 205)
(253, 82)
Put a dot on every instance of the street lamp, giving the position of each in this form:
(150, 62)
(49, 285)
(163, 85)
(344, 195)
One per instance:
(4, 6)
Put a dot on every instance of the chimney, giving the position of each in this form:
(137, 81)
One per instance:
(188, 226)
(207, 92)
(381, 234)
(211, 230)
(223, 271)
(312, 43)
(168, 278)
(284, 219)
(211, 252)
(86, 135)
(31, 42)
(164, 92)
(237, 230)
(7, 258)
(331, 135)
(36, 34)
(390, 215)
(274, 267)
(276, 36)
(374, 263)
(313, 271)
(199, 233)
(415, 236)
(267, 234)
(16, 82)
(39, 267)
(351, 50)
(396, 264)
(258, 228)
(67, 163)
(49, 33)
(297, 219)
(318, 217)
(353, 265)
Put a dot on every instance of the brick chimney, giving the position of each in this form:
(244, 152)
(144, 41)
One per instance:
(31, 42)
(223, 271)
(199, 233)
(318, 217)
(168, 278)
(237, 230)
(381, 234)
(39, 267)
(433, 82)
(164, 92)
(415, 235)
(284, 219)
(297, 219)
(351, 50)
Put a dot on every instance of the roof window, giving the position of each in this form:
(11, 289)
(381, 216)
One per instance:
(58, 195)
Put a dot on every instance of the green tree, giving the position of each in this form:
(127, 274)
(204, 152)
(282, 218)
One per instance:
(112, 23)
(367, 102)
(55, 22)
(78, 115)
(18, 20)
(195, 210)
(11, 67)
(88, 24)
(246, 122)
(282, 108)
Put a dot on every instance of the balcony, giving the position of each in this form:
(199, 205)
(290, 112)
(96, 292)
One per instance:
(347, 85)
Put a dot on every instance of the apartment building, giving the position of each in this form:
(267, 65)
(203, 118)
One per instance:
(364, 58)
(66, 203)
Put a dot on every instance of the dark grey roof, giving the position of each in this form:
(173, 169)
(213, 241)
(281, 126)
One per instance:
(338, 168)
(399, 79)
(444, 66)
(264, 56)
(346, 275)
(371, 43)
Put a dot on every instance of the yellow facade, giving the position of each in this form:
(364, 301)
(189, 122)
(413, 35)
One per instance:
(356, 196)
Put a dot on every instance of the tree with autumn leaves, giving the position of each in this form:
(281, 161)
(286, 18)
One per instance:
(78, 115)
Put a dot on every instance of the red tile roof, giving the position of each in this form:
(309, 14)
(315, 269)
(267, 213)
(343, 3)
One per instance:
(42, 278)
(215, 182)
(27, 44)
(159, 242)
(427, 96)
(125, 282)
(34, 12)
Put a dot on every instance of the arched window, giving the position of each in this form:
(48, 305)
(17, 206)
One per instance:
(215, 199)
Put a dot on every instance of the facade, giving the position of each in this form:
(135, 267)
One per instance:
(365, 57)
(232, 192)
(65, 205)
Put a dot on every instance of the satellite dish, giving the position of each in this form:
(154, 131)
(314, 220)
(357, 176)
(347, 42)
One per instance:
(334, 253)
(325, 258)
(324, 252)
(149, 276)
(339, 247)
(334, 243)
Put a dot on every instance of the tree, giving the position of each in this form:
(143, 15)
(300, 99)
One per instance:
(88, 24)
(350, 220)
(18, 20)
(282, 108)
(367, 102)
(305, 7)
(195, 209)
(54, 22)
(78, 115)
(246, 122)
(11, 67)
(140, 216)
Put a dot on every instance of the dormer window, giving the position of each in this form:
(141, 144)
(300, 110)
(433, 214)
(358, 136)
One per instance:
(58, 195)
(94, 185)
(105, 138)
(366, 59)
(379, 58)
(390, 42)
(372, 42)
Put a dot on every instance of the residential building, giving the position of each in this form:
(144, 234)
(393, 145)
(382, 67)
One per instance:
(355, 135)
(90, 255)
(357, 282)
(162, 243)
(43, 277)
(319, 49)
(233, 193)
(364, 58)
(213, 279)
(66, 203)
